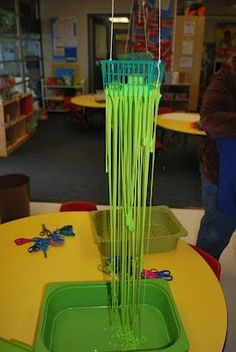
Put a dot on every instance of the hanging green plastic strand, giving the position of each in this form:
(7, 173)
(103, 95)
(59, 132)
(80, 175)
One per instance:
(157, 98)
(130, 139)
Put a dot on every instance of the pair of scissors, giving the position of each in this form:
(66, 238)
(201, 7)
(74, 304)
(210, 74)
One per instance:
(45, 231)
(154, 273)
(165, 274)
(106, 265)
(66, 230)
(22, 240)
(40, 244)
(35, 248)
(56, 240)
(110, 265)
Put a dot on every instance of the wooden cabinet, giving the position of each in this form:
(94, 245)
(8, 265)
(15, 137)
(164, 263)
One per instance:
(16, 121)
(175, 96)
(53, 95)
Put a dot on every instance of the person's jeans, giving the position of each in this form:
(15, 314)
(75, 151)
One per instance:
(216, 228)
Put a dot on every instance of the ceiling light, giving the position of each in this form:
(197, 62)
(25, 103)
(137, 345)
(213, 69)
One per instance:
(119, 19)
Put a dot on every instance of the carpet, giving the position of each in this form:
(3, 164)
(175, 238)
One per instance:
(67, 162)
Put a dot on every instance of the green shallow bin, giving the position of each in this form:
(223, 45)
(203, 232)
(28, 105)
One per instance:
(165, 230)
(13, 346)
(74, 317)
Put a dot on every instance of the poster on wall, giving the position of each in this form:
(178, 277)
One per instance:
(189, 29)
(64, 38)
(225, 39)
(145, 36)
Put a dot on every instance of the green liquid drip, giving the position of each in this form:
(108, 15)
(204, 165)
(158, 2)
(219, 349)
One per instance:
(130, 143)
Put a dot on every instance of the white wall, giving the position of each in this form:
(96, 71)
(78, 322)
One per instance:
(80, 9)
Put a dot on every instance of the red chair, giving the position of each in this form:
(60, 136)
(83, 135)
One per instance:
(74, 112)
(211, 261)
(164, 110)
(78, 206)
(158, 145)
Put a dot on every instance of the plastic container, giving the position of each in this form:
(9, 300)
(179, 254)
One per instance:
(165, 230)
(13, 346)
(14, 197)
(75, 317)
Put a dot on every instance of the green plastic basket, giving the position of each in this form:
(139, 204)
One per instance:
(134, 74)
(165, 230)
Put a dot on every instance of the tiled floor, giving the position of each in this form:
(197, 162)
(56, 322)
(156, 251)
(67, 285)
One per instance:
(190, 219)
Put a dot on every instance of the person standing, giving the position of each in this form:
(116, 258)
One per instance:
(218, 119)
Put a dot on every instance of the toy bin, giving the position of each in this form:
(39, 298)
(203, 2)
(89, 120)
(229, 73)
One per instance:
(75, 317)
(165, 230)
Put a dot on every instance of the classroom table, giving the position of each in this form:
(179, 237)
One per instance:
(89, 101)
(180, 122)
(197, 292)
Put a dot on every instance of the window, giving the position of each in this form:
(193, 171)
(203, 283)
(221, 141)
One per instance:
(7, 17)
(10, 50)
(20, 44)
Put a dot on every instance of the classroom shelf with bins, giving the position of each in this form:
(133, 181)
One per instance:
(16, 120)
(176, 96)
(54, 91)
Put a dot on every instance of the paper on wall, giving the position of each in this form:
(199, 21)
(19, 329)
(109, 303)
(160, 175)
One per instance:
(187, 48)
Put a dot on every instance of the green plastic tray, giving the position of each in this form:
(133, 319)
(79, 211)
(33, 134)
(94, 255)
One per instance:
(165, 230)
(74, 317)
(13, 346)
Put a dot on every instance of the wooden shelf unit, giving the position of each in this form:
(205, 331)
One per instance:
(16, 117)
(175, 96)
(53, 95)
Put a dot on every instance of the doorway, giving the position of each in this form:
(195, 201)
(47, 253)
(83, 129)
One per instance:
(99, 34)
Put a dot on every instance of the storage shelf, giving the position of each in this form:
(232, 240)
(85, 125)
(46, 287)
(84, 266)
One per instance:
(15, 99)
(16, 114)
(17, 120)
(55, 98)
(17, 143)
(175, 100)
(176, 84)
(56, 110)
(176, 95)
(62, 89)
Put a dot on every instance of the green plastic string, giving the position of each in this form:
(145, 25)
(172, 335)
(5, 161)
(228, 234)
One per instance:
(130, 141)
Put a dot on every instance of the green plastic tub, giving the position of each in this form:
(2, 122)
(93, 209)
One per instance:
(13, 346)
(74, 317)
(165, 230)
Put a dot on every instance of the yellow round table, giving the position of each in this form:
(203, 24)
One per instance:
(89, 101)
(196, 290)
(180, 122)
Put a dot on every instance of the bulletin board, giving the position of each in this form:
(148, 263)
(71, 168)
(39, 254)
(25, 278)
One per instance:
(66, 69)
(145, 36)
(64, 38)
